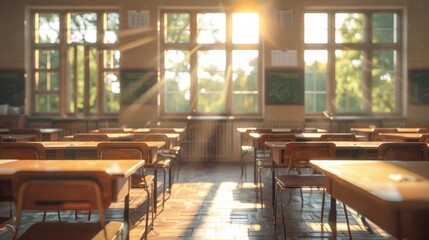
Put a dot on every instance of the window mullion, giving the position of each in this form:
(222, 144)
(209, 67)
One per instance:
(194, 64)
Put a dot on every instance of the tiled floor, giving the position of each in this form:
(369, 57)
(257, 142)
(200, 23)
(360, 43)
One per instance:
(211, 201)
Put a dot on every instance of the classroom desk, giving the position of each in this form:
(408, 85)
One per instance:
(51, 134)
(77, 150)
(120, 170)
(351, 149)
(403, 137)
(392, 194)
(368, 132)
(7, 137)
(174, 138)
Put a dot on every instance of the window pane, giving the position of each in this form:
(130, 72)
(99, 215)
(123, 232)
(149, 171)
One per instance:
(111, 92)
(47, 81)
(211, 81)
(384, 27)
(383, 81)
(316, 28)
(47, 59)
(211, 28)
(92, 64)
(177, 75)
(349, 27)
(348, 77)
(111, 28)
(245, 28)
(47, 29)
(111, 58)
(47, 103)
(83, 28)
(245, 81)
(177, 28)
(315, 80)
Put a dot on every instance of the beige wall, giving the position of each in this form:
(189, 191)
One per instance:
(139, 46)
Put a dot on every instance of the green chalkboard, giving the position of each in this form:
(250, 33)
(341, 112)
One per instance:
(138, 86)
(419, 86)
(12, 87)
(284, 87)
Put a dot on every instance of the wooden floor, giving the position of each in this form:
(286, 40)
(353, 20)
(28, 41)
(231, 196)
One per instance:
(211, 201)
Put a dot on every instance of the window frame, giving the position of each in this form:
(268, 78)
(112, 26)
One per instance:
(63, 47)
(367, 46)
(228, 47)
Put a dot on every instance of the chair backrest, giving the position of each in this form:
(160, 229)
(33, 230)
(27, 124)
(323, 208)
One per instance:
(338, 137)
(298, 154)
(153, 137)
(62, 190)
(26, 150)
(424, 138)
(90, 137)
(412, 151)
(123, 150)
(32, 131)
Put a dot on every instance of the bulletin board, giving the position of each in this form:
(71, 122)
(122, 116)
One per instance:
(284, 86)
(138, 84)
(419, 86)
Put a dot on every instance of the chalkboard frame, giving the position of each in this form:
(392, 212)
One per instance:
(135, 83)
(418, 87)
(275, 86)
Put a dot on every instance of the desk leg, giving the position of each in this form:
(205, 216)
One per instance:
(273, 185)
(155, 189)
(255, 180)
(332, 219)
(127, 214)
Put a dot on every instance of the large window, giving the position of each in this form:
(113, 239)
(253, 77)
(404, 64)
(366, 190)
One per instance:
(75, 63)
(353, 62)
(210, 63)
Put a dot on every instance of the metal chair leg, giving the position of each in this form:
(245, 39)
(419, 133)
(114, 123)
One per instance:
(347, 221)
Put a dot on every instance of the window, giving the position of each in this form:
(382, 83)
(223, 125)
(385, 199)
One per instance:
(211, 63)
(353, 62)
(75, 62)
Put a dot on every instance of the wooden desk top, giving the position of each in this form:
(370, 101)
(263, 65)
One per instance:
(117, 168)
(147, 130)
(338, 144)
(54, 145)
(399, 130)
(401, 184)
(404, 135)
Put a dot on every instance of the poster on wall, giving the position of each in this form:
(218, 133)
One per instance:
(138, 86)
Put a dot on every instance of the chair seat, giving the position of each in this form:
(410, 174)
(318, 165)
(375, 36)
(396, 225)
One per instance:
(72, 231)
(163, 162)
(137, 180)
(302, 180)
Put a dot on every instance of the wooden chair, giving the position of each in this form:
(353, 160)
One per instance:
(31, 131)
(164, 156)
(132, 150)
(412, 151)
(424, 138)
(265, 161)
(89, 190)
(99, 137)
(5, 224)
(24, 151)
(338, 137)
(297, 156)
